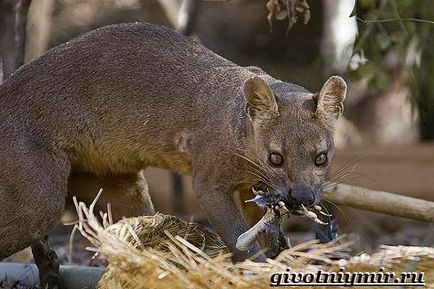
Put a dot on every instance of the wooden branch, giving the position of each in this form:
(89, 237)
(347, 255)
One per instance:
(187, 16)
(73, 277)
(21, 11)
(381, 202)
(13, 22)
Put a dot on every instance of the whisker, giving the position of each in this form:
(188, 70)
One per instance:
(271, 171)
(248, 159)
(343, 168)
(359, 176)
(355, 160)
(257, 166)
(341, 174)
(344, 141)
(346, 217)
(263, 168)
(266, 181)
(260, 172)
(327, 211)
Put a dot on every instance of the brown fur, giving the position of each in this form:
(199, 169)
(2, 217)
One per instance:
(114, 101)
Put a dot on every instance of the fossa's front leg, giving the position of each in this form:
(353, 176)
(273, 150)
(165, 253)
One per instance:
(223, 214)
(272, 241)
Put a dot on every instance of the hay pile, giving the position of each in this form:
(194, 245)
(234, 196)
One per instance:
(165, 252)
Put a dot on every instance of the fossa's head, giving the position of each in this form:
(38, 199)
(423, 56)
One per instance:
(293, 136)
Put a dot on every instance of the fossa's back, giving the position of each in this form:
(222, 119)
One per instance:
(93, 112)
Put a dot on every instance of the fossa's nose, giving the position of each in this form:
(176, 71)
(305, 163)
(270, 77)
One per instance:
(302, 194)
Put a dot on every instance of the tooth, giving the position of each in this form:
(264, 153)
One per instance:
(318, 221)
(282, 208)
(325, 214)
(311, 215)
(319, 209)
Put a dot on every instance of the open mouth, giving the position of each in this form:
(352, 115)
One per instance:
(265, 197)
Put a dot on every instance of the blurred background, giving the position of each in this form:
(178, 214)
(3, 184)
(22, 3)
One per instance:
(384, 50)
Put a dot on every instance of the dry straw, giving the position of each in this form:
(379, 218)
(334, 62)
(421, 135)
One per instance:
(165, 252)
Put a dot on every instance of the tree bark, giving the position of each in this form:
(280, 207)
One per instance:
(21, 11)
(381, 202)
(7, 37)
(74, 277)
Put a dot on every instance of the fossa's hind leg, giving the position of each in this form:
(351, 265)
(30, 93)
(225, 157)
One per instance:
(127, 193)
(33, 186)
(47, 262)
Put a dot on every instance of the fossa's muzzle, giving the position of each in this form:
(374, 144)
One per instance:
(296, 198)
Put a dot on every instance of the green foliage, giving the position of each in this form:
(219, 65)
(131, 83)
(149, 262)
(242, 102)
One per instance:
(396, 27)
(424, 86)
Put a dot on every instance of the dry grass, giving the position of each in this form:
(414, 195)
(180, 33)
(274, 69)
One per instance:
(165, 252)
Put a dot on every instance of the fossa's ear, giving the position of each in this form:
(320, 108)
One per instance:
(330, 101)
(260, 100)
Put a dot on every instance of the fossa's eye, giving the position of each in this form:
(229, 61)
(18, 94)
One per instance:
(276, 159)
(321, 159)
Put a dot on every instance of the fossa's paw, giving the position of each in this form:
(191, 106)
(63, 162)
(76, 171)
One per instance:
(48, 265)
(50, 280)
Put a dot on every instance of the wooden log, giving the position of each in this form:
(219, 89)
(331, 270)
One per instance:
(381, 202)
(73, 277)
